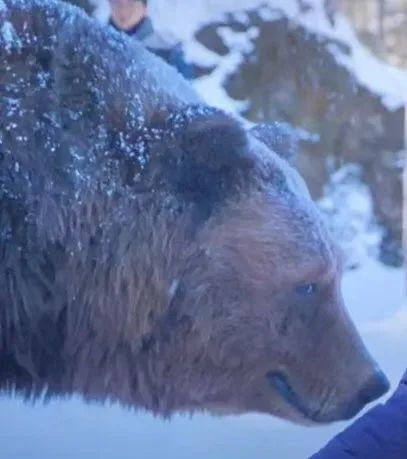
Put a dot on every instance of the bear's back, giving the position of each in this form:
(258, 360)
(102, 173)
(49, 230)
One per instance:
(75, 102)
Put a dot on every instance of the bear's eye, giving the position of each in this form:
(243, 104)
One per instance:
(306, 289)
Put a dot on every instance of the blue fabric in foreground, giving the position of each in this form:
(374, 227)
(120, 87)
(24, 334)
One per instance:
(380, 434)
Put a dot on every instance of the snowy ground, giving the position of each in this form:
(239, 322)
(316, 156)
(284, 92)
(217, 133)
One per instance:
(72, 429)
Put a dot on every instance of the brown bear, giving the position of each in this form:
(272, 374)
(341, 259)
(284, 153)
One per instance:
(152, 249)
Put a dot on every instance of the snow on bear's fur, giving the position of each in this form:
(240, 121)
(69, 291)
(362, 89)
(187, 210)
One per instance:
(153, 251)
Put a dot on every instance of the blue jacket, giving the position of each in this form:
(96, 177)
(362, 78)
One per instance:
(157, 44)
(380, 434)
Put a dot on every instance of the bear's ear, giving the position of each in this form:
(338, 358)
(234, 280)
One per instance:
(279, 137)
(209, 155)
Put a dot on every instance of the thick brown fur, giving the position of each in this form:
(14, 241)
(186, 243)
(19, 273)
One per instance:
(152, 251)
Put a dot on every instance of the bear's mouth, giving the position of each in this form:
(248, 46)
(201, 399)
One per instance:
(280, 384)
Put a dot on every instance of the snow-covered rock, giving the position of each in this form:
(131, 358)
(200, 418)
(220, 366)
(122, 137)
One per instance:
(387, 82)
(297, 61)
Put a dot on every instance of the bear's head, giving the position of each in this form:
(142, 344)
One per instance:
(256, 319)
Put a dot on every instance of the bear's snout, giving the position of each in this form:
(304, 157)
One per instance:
(376, 386)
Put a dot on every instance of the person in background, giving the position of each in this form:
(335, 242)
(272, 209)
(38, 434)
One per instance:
(131, 17)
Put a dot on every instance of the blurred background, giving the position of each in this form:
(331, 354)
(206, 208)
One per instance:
(335, 73)
(334, 70)
(381, 25)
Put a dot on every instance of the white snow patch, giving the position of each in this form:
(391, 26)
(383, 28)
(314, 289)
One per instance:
(8, 36)
(242, 16)
(268, 14)
(211, 90)
(394, 326)
(211, 87)
(375, 293)
(198, 53)
(240, 41)
(348, 206)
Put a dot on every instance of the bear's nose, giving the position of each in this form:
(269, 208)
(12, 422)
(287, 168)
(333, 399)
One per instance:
(376, 386)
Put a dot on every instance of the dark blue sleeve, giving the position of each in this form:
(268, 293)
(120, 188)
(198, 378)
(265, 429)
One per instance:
(177, 59)
(380, 434)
